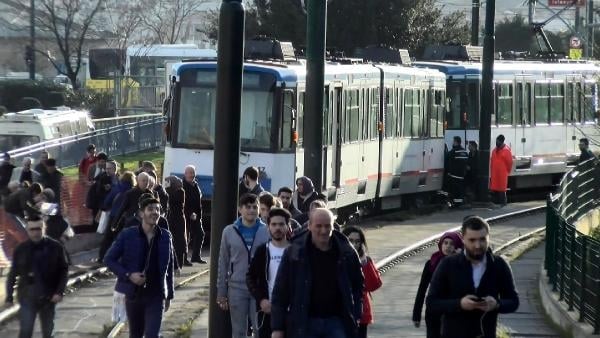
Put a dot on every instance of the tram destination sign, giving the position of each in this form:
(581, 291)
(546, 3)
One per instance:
(563, 3)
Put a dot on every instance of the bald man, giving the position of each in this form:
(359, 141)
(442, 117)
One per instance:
(329, 304)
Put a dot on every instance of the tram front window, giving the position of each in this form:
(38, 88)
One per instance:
(197, 110)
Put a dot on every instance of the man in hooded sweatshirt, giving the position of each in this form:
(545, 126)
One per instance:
(239, 242)
(305, 194)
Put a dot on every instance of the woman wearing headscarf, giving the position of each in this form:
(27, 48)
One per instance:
(176, 218)
(449, 243)
(305, 193)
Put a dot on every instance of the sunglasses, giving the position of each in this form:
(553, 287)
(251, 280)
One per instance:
(34, 229)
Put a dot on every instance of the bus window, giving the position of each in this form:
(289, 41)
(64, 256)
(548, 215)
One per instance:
(454, 115)
(390, 114)
(557, 99)
(589, 102)
(504, 104)
(541, 103)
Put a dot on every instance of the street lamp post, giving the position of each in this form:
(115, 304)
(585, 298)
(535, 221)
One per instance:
(230, 66)
(31, 52)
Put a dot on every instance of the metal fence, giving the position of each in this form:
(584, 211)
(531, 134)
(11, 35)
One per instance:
(573, 258)
(118, 136)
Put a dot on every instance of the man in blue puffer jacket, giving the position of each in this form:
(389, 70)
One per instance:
(142, 258)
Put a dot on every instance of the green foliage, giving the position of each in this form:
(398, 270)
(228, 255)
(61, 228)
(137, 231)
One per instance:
(26, 103)
(595, 233)
(353, 24)
(12, 91)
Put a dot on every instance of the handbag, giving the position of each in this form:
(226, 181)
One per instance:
(103, 222)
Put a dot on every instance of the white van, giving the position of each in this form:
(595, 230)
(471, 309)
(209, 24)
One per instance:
(33, 126)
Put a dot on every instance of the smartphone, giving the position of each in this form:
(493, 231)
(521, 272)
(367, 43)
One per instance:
(480, 299)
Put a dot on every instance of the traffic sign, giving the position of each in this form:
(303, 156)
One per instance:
(575, 53)
(575, 42)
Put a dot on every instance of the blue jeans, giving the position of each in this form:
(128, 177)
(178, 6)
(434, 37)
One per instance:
(27, 313)
(144, 315)
(325, 328)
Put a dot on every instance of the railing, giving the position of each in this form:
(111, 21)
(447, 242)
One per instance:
(573, 258)
(119, 138)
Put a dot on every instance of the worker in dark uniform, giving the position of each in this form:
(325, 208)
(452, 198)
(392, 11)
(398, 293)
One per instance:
(472, 171)
(586, 153)
(456, 172)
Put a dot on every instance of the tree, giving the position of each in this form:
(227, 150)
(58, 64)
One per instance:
(353, 24)
(70, 22)
(165, 19)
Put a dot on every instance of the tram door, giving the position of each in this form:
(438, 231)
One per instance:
(336, 123)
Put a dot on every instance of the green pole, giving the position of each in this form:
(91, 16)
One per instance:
(230, 67)
(487, 100)
(316, 24)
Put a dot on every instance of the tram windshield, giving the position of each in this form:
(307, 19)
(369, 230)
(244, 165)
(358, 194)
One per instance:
(197, 109)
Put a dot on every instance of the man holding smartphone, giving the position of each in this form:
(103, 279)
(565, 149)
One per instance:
(471, 289)
(142, 258)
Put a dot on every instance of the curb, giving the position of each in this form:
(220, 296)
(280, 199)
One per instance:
(558, 313)
(120, 325)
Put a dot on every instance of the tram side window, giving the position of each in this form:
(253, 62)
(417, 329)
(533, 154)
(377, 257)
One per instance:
(257, 112)
(557, 99)
(453, 117)
(437, 107)
(300, 119)
(541, 103)
(416, 113)
(589, 100)
(365, 114)
(472, 107)
(353, 115)
(504, 104)
(374, 113)
(390, 114)
(408, 107)
(286, 121)
(326, 117)
(523, 96)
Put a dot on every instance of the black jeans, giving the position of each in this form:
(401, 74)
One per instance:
(499, 197)
(362, 331)
(197, 238)
(27, 313)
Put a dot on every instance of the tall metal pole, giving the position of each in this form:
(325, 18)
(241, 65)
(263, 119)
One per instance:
(475, 23)
(316, 24)
(32, 40)
(230, 66)
(590, 24)
(487, 100)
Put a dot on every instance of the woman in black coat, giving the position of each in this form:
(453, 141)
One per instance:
(176, 218)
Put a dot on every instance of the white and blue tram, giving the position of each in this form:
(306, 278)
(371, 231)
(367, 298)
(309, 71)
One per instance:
(382, 136)
(542, 108)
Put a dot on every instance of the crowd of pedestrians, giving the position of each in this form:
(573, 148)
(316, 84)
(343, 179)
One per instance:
(285, 269)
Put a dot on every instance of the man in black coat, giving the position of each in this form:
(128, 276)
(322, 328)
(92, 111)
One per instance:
(586, 153)
(40, 264)
(456, 171)
(471, 289)
(52, 179)
(6, 169)
(319, 287)
(193, 214)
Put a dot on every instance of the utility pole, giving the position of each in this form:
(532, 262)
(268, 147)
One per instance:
(230, 66)
(589, 50)
(316, 23)
(475, 23)
(487, 100)
(31, 51)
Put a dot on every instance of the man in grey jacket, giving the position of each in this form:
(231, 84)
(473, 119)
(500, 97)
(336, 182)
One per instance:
(238, 245)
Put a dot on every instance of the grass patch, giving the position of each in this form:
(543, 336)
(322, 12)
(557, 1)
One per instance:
(502, 332)
(127, 162)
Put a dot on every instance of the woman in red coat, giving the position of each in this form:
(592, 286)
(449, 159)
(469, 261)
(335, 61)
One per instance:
(500, 167)
(372, 279)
